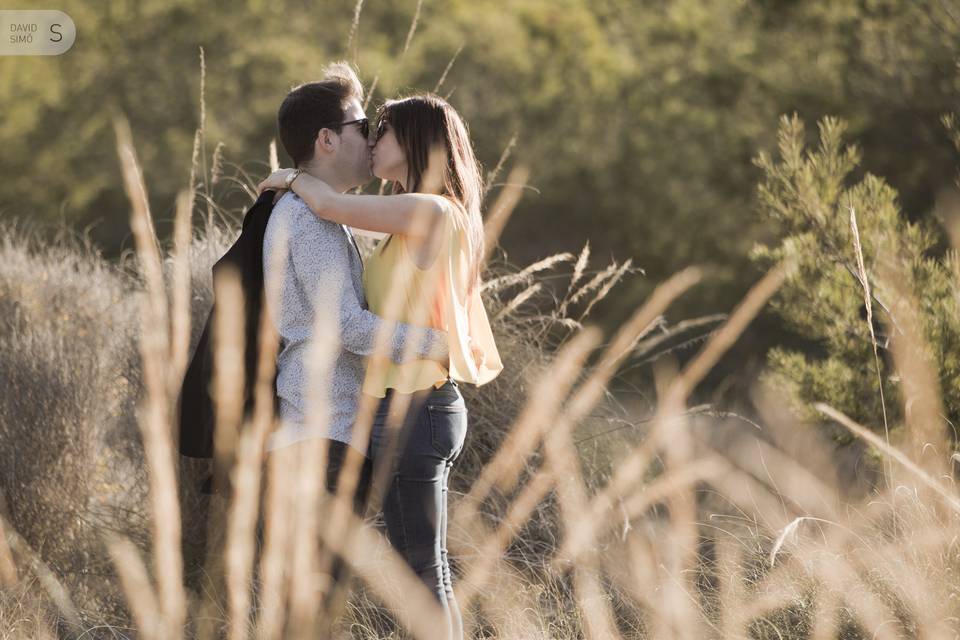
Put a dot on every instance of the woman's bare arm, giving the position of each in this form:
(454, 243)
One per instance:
(410, 214)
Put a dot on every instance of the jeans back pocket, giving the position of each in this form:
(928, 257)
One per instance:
(448, 429)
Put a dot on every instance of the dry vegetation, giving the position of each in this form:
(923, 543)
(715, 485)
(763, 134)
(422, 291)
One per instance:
(693, 524)
(576, 512)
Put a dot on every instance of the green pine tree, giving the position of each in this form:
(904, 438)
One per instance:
(808, 193)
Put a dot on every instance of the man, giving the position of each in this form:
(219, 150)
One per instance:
(323, 128)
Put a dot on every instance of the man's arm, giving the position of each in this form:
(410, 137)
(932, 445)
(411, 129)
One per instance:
(322, 265)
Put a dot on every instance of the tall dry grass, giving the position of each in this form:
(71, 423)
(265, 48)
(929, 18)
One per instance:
(689, 525)
(577, 510)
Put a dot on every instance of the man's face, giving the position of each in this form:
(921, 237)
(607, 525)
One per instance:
(353, 156)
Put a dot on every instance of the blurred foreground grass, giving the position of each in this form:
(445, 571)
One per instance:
(579, 508)
(575, 513)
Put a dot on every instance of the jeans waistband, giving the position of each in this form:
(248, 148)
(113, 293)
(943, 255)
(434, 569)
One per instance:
(449, 382)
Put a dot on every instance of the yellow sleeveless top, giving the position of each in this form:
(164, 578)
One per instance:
(436, 297)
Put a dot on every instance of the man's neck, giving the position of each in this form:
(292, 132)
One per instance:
(328, 175)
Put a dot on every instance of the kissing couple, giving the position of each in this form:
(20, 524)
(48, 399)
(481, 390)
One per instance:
(411, 326)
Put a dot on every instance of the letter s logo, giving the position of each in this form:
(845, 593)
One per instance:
(60, 29)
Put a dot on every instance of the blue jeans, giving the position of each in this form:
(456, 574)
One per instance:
(415, 500)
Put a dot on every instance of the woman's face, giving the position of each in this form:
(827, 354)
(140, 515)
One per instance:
(387, 159)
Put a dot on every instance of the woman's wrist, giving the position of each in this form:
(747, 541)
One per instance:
(314, 192)
(299, 185)
(291, 177)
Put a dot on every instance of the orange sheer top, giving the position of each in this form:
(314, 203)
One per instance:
(397, 289)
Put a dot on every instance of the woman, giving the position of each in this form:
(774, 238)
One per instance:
(426, 273)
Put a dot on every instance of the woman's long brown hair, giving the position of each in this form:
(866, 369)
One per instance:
(425, 124)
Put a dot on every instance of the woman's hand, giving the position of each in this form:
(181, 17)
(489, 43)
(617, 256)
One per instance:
(275, 181)
(315, 192)
(479, 356)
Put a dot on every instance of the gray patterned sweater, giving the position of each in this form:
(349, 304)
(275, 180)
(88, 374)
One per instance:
(322, 270)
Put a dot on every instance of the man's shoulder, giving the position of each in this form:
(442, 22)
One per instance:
(291, 209)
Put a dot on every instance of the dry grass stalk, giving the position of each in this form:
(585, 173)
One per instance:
(155, 422)
(309, 582)
(195, 160)
(180, 325)
(808, 492)
(247, 474)
(606, 288)
(33, 563)
(272, 157)
(923, 409)
(560, 449)
(310, 485)
(446, 70)
(585, 531)
(366, 104)
(891, 452)
(911, 585)
(399, 405)
(640, 577)
(872, 612)
(517, 300)
(679, 589)
(572, 497)
(390, 576)
(581, 265)
(504, 156)
(623, 343)
(477, 575)
(825, 620)
(833, 571)
(868, 303)
(228, 369)
(731, 592)
(630, 470)
(136, 585)
(141, 222)
(216, 164)
(526, 274)
(724, 338)
(413, 29)
(241, 524)
(354, 25)
(503, 207)
(538, 413)
(8, 568)
(202, 130)
(594, 283)
(787, 531)
(511, 608)
(280, 512)
(595, 606)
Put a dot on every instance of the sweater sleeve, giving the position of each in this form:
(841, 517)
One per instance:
(320, 256)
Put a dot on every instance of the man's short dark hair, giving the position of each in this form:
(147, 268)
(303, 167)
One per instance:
(314, 106)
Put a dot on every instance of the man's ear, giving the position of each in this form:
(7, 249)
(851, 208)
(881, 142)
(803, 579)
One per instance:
(327, 141)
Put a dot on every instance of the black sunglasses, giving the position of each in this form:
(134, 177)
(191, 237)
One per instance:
(364, 126)
(381, 129)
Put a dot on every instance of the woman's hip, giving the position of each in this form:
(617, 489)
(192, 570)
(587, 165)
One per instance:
(431, 424)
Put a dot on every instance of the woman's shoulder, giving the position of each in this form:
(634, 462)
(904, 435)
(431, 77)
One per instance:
(452, 211)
